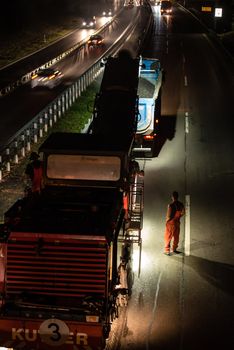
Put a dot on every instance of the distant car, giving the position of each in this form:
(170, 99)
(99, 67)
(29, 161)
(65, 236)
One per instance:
(95, 40)
(107, 13)
(89, 22)
(166, 7)
(48, 77)
(129, 3)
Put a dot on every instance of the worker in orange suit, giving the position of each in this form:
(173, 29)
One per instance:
(175, 211)
(33, 171)
(37, 177)
(125, 205)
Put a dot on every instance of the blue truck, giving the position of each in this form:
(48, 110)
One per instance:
(149, 106)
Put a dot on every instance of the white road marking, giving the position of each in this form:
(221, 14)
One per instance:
(187, 225)
(183, 59)
(186, 123)
(154, 310)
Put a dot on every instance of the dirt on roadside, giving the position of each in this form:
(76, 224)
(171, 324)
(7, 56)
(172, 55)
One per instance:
(12, 187)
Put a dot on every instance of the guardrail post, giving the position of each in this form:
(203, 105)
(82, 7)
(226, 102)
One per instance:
(90, 76)
(46, 123)
(8, 164)
(35, 138)
(79, 87)
(63, 104)
(16, 160)
(55, 113)
(59, 108)
(81, 84)
(50, 117)
(28, 140)
(70, 97)
(1, 166)
(76, 90)
(23, 146)
(66, 101)
(85, 81)
(40, 127)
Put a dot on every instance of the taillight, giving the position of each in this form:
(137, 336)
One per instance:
(149, 137)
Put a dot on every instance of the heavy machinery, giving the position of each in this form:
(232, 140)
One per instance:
(64, 251)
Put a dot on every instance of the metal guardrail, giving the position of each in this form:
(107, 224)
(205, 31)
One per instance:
(21, 143)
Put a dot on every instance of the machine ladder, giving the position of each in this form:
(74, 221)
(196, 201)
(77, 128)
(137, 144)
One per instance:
(134, 223)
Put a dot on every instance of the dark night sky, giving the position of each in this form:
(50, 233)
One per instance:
(19, 14)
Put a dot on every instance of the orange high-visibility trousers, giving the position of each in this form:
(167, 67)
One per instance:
(171, 236)
(125, 205)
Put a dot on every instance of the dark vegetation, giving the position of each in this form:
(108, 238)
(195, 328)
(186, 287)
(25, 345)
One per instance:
(27, 26)
(23, 14)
